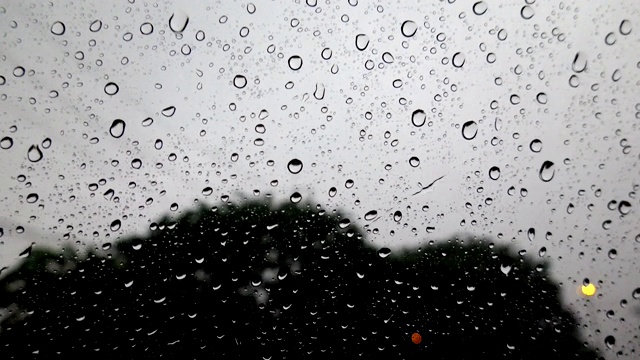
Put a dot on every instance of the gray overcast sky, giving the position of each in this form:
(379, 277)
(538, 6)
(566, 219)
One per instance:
(545, 82)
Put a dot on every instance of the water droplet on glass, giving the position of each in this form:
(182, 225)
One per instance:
(295, 197)
(95, 26)
(606, 224)
(479, 8)
(531, 234)
(414, 161)
(505, 268)
(344, 223)
(115, 225)
(458, 59)
(31, 198)
(169, 111)
(370, 215)
(624, 207)
(239, 81)
(147, 122)
(294, 166)
(207, 191)
(26, 252)
(146, 28)
(636, 294)
(610, 341)
(418, 118)
(384, 252)
(295, 62)
(494, 173)
(527, 12)
(397, 216)
(34, 154)
(408, 28)
(625, 27)
(326, 53)
(333, 191)
(387, 58)
(535, 145)
(579, 63)
(547, 171)
(612, 254)
(542, 251)
(117, 128)
(541, 98)
(362, 41)
(178, 22)
(58, 28)
(136, 163)
(6, 143)
(469, 130)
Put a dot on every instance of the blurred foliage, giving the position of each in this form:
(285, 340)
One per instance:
(289, 282)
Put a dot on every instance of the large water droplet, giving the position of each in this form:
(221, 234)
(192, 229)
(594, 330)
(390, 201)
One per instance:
(115, 225)
(418, 118)
(610, 341)
(344, 223)
(579, 63)
(319, 92)
(294, 166)
(295, 62)
(397, 216)
(458, 59)
(531, 234)
(527, 12)
(414, 161)
(613, 253)
(535, 145)
(111, 88)
(58, 28)
(95, 26)
(362, 41)
(370, 215)
(625, 27)
(494, 173)
(178, 22)
(636, 294)
(6, 143)
(169, 111)
(624, 207)
(409, 28)
(31, 198)
(469, 130)
(295, 197)
(117, 128)
(480, 8)
(239, 81)
(34, 154)
(547, 171)
(384, 252)
(207, 191)
(136, 163)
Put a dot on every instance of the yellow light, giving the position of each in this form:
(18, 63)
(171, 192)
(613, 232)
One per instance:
(589, 289)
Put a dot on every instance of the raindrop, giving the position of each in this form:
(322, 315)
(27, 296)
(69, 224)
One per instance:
(26, 252)
(624, 207)
(239, 81)
(295, 62)
(494, 173)
(147, 122)
(136, 163)
(295, 197)
(34, 154)
(527, 12)
(178, 22)
(362, 41)
(397, 216)
(200, 35)
(111, 88)
(547, 171)
(146, 28)
(387, 58)
(370, 215)
(610, 39)
(326, 53)
(115, 225)
(158, 144)
(344, 223)
(625, 27)
(535, 145)
(349, 184)
(505, 268)
(58, 28)
(6, 143)
(207, 191)
(636, 294)
(169, 111)
(418, 118)
(117, 128)
(95, 26)
(318, 93)
(333, 191)
(579, 63)
(384, 252)
(480, 8)
(531, 234)
(610, 341)
(458, 60)
(251, 8)
(294, 166)
(31, 198)
(606, 224)
(541, 98)
(542, 251)
(409, 28)
(612, 254)
(414, 161)
(469, 130)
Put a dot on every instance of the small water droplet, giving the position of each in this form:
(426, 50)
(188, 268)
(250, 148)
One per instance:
(370, 215)
(147, 122)
(239, 81)
(414, 161)
(26, 252)
(494, 173)
(408, 28)
(527, 12)
(362, 41)
(136, 163)
(34, 154)
(610, 341)
(542, 251)
(612, 254)
(58, 28)
(318, 93)
(418, 118)
(458, 59)
(636, 294)
(295, 197)
(117, 128)
(531, 234)
(344, 223)
(326, 53)
(169, 111)
(397, 216)
(333, 191)
(146, 28)
(541, 98)
(31, 198)
(384, 252)
(480, 7)
(625, 27)
(294, 166)
(624, 207)
(178, 22)
(95, 26)
(6, 143)
(535, 145)
(207, 191)
(295, 62)
(115, 225)
(46, 143)
(547, 171)
(579, 63)
(111, 88)
(606, 224)
(505, 268)
(469, 130)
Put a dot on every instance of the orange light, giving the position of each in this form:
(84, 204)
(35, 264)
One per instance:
(416, 338)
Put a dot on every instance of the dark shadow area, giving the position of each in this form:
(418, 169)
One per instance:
(292, 282)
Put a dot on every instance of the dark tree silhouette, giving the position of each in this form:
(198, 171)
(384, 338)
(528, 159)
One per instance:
(257, 282)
